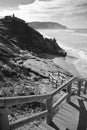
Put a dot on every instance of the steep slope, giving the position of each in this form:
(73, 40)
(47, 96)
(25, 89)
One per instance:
(20, 45)
(15, 32)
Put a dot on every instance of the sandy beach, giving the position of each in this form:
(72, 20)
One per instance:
(67, 65)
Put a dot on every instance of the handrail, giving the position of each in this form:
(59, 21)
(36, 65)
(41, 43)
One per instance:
(25, 120)
(10, 101)
(65, 73)
(62, 86)
(59, 101)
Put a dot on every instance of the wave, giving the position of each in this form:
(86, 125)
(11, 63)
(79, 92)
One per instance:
(82, 32)
(74, 53)
(77, 33)
(71, 51)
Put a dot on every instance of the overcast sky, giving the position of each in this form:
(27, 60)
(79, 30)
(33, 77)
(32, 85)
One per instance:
(72, 13)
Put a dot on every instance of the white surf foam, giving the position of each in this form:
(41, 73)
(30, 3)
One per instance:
(74, 52)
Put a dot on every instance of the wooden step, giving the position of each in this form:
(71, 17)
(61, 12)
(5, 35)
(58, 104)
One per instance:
(47, 126)
(69, 125)
(59, 125)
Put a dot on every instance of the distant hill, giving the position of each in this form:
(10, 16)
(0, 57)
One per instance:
(46, 25)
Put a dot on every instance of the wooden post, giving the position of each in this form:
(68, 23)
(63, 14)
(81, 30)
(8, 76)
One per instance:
(79, 88)
(49, 77)
(4, 122)
(61, 81)
(85, 87)
(52, 80)
(56, 83)
(50, 111)
(69, 92)
(58, 74)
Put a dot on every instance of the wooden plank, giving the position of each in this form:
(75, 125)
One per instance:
(79, 87)
(63, 72)
(69, 92)
(50, 111)
(9, 101)
(59, 101)
(74, 90)
(25, 120)
(71, 122)
(52, 77)
(4, 122)
(85, 87)
(62, 86)
(59, 125)
(63, 122)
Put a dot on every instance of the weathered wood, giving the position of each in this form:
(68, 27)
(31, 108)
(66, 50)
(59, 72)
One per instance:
(85, 88)
(79, 87)
(74, 90)
(4, 122)
(59, 101)
(50, 111)
(58, 74)
(52, 77)
(52, 80)
(62, 86)
(69, 92)
(63, 72)
(56, 84)
(9, 101)
(25, 120)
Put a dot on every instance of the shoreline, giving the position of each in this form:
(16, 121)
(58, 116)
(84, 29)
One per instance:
(65, 64)
(75, 45)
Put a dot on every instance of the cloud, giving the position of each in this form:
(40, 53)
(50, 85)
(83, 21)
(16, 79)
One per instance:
(39, 10)
(42, 10)
(48, 10)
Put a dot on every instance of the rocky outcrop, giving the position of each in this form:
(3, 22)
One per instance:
(15, 34)
(53, 47)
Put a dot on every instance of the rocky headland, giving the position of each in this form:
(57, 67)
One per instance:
(47, 25)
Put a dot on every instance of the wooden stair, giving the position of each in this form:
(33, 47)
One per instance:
(43, 126)
(70, 108)
(71, 116)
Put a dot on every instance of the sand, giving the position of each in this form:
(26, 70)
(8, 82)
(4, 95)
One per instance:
(67, 65)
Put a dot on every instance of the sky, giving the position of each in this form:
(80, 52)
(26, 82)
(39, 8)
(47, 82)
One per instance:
(72, 13)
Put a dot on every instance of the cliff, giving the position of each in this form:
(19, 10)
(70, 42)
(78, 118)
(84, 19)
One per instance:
(47, 25)
(15, 33)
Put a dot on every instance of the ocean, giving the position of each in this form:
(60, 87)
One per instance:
(75, 43)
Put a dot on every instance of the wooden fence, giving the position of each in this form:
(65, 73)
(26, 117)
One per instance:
(6, 102)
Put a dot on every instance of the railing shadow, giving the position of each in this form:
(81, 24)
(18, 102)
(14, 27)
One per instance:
(55, 126)
(82, 124)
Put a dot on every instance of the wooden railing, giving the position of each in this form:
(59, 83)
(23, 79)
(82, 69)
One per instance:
(6, 102)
